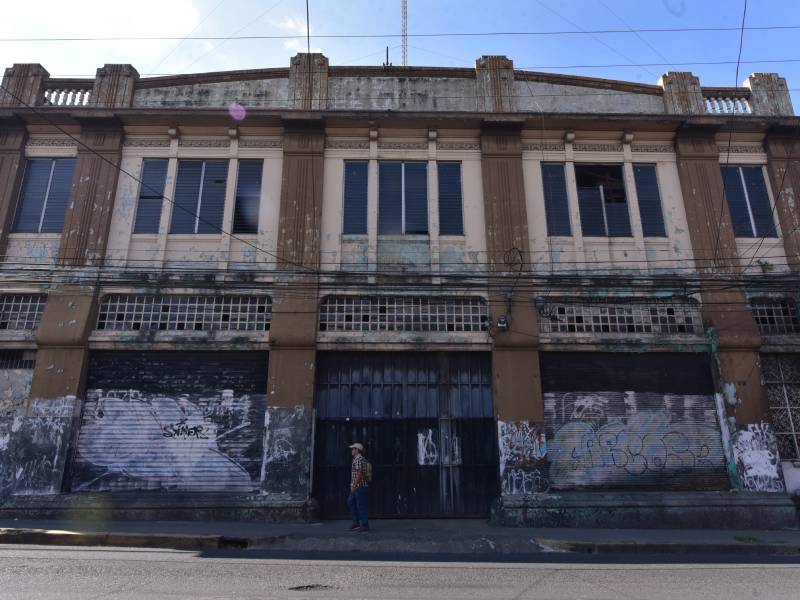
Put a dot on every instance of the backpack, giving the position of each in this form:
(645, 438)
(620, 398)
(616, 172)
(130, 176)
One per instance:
(367, 471)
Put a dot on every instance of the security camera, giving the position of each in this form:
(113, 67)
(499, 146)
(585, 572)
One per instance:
(502, 323)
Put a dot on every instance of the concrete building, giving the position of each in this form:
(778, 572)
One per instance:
(556, 299)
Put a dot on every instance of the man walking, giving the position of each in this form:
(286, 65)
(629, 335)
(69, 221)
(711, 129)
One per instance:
(357, 500)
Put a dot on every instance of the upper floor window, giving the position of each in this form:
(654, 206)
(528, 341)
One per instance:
(199, 196)
(649, 200)
(748, 201)
(44, 196)
(602, 201)
(354, 220)
(402, 198)
(151, 195)
(556, 205)
(248, 196)
(451, 202)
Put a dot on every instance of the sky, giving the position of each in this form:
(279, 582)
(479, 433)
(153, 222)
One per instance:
(612, 56)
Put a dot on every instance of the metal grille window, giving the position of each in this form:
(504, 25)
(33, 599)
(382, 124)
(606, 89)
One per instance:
(748, 201)
(199, 196)
(775, 316)
(44, 196)
(403, 313)
(646, 317)
(781, 373)
(21, 311)
(184, 313)
(602, 202)
(402, 198)
(151, 195)
(17, 359)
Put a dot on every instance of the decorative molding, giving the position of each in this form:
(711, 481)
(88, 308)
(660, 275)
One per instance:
(59, 142)
(146, 143)
(654, 147)
(402, 145)
(597, 147)
(347, 144)
(204, 143)
(544, 147)
(458, 146)
(741, 149)
(248, 142)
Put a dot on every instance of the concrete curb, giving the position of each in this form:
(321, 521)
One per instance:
(404, 545)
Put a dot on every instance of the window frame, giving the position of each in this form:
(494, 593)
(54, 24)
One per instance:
(234, 229)
(14, 229)
(551, 219)
(139, 196)
(403, 164)
(774, 228)
(344, 196)
(625, 190)
(198, 207)
(654, 165)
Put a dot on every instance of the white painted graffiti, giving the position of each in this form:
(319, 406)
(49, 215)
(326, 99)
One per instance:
(757, 462)
(526, 481)
(427, 453)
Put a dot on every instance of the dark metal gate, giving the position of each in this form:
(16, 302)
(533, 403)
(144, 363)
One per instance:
(426, 421)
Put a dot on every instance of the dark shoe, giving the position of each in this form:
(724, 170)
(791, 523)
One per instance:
(355, 527)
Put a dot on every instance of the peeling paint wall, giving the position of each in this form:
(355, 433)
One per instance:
(286, 467)
(755, 450)
(15, 385)
(539, 96)
(270, 94)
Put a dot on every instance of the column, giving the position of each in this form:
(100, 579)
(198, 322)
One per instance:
(783, 165)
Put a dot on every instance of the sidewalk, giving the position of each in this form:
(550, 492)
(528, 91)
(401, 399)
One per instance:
(452, 537)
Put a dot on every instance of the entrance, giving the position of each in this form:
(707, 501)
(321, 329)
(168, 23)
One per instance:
(426, 421)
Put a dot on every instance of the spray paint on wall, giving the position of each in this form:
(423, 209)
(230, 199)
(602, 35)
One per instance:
(286, 465)
(756, 452)
(523, 452)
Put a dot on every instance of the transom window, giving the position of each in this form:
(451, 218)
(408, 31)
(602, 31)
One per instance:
(44, 195)
(135, 312)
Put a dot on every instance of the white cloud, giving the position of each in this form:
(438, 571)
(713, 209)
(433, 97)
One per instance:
(292, 25)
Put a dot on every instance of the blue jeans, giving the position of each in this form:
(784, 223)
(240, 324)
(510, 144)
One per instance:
(357, 503)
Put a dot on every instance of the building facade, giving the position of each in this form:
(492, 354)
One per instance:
(519, 290)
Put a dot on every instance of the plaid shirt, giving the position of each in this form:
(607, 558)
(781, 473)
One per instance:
(355, 470)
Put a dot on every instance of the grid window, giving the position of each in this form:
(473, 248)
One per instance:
(748, 201)
(402, 198)
(17, 359)
(403, 313)
(44, 196)
(151, 195)
(781, 373)
(184, 313)
(559, 315)
(199, 196)
(602, 202)
(21, 311)
(775, 316)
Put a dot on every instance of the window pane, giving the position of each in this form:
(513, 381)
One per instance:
(187, 189)
(31, 200)
(58, 197)
(151, 194)
(649, 200)
(390, 203)
(737, 204)
(416, 188)
(355, 198)
(556, 205)
(759, 201)
(451, 217)
(248, 196)
(600, 187)
(212, 203)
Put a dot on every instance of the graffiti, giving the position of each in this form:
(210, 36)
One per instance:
(60, 407)
(756, 453)
(530, 480)
(286, 465)
(181, 429)
(427, 454)
(632, 439)
(32, 454)
(131, 440)
(523, 450)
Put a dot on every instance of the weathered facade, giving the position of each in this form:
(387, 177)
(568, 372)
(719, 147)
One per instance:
(569, 299)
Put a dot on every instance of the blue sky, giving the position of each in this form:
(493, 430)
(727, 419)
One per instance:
(287, 17)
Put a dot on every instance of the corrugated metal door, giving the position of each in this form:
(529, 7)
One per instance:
(427, 424)
(188, 421)
(624, 421)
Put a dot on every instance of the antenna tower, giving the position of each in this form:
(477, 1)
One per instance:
(405, 32)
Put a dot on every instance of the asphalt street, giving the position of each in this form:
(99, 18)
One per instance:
(46, 572)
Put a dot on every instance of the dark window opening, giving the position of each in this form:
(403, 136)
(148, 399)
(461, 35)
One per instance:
(748, 201)
(248, 196)
(451, 202)
(602, 201)
(199, 196)
(356, 176)
(151, 195)
(402, 198)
